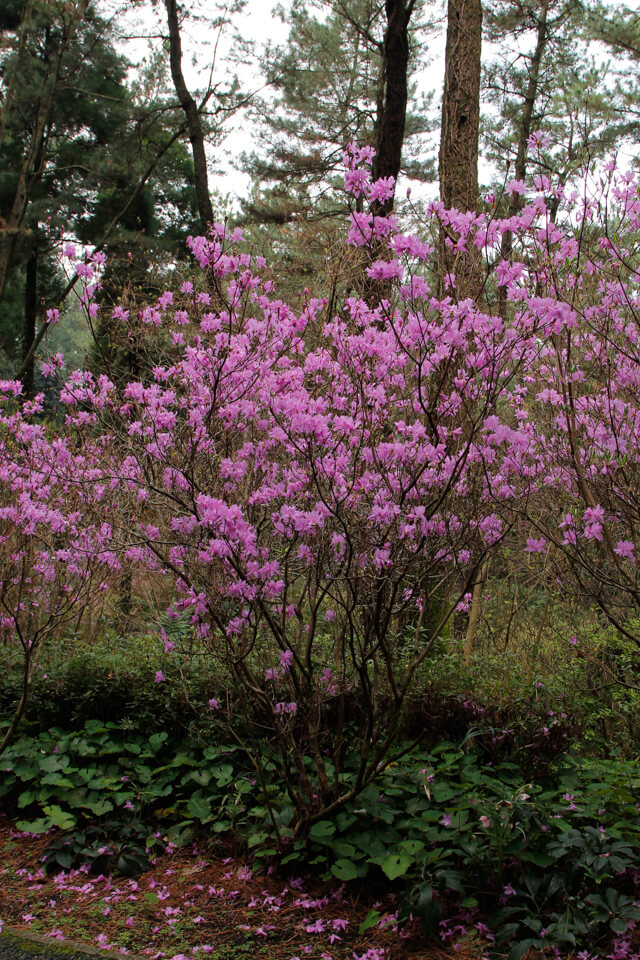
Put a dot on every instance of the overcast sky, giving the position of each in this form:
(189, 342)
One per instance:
(204, 49)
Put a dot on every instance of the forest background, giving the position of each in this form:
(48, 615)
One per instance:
(297, 101)
(328, 546)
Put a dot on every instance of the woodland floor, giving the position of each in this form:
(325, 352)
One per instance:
(190, 903)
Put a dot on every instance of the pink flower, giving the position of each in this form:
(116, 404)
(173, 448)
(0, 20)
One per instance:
(286, 659)
(284, 708)
(625, 549)
(382, 189)
(535, 546)
(516, 186)
(159, 677)
(538, 140)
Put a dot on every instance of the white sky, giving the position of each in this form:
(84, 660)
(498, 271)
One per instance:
(204, 48)
(257, 22)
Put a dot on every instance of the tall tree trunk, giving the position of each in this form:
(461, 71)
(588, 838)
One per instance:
(520, 170)
(458, 159)
(391, 114)
(392, 105)
(194, 123)
(474, 612)
(29, 323)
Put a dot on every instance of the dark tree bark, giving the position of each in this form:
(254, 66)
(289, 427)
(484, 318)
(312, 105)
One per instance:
(192, 114)
(29, 322)
(392, 105)
(520, 170)
(391, 114)
(458, 160)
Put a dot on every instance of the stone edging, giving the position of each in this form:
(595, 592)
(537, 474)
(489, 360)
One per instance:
(36, 944)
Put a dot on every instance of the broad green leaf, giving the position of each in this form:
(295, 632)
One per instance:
(60, 818)
(396, 865)
(199, 808)
(342, 848)
(98, 807)
(40, 825)
(156, 740)
(518, 950)
(57, 780)
(344, 870)
(223, 774)
(322, 831)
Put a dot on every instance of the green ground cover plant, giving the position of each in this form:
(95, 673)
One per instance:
(549, 861)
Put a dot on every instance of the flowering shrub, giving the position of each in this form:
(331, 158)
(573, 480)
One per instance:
(584, 400)
(315, 483)
(323, 488)
(54, 560)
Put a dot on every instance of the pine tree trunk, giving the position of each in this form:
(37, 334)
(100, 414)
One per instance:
(458, 160)
(194, 124)
(391, 114)
(515, 200)
(29, 322)
(392, 111)
(461, 106)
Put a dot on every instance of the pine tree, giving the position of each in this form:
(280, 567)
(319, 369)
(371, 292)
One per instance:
(618, 28)
(332, 82)
(546, 76)
(63, 96)
(80, 156)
